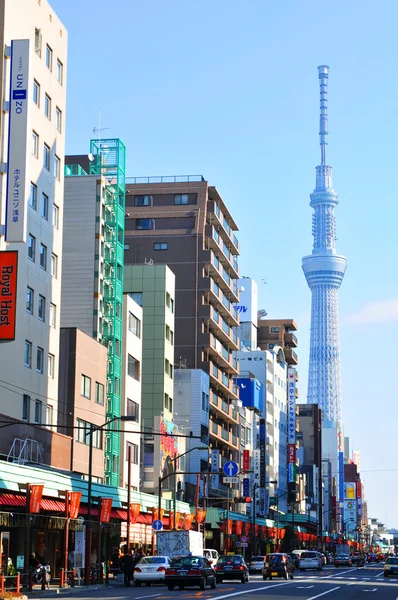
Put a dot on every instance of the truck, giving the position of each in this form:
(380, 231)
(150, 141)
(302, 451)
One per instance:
(179, 543)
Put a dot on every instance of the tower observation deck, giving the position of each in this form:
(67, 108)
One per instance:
(324, 271)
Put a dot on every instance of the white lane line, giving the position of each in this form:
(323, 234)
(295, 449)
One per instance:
(335, 576)
(324, 593)
(251, 591)
(379, 575)
(151, 596)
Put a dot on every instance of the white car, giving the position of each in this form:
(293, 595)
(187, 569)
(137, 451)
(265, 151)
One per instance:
(211, 555)
(150, 569)
(310, 560)
(256, 563)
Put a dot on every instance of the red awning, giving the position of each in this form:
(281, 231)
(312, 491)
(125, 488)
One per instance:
(11, 500)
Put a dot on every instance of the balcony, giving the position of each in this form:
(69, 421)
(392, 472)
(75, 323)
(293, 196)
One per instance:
(221, 357)
(223, 435)
(216, 218)
(220, 381)
(291, 340)
(291, 356)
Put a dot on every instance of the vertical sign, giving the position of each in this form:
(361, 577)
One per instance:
(36, 493)
(264, 497)
(256, 467)
(134, 512)
(341, 487)
(106, 507)
(262, 452)
(17, 179)
(246, 460)
(8, 294)
(246, 488)
(291, 425)
(215, 467)
(74, 504)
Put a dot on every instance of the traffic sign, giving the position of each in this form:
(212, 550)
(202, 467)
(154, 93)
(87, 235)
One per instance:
(244, 544)
(230, 479)
(231, 468)
(157, 525)
(243, 539)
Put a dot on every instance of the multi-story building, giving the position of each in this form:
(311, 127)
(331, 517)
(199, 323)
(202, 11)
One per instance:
(278, 332)
(184, 223)
(32, 130)
(247, 310)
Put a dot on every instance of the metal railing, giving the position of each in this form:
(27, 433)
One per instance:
(166, 179)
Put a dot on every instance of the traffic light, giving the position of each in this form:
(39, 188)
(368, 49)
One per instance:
(244, 500)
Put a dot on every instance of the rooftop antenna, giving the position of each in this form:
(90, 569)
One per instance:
(323, 74)
(99, 129)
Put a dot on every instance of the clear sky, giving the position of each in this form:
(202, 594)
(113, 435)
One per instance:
(229, 89)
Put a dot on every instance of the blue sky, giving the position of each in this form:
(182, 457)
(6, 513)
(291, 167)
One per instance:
(229, 89)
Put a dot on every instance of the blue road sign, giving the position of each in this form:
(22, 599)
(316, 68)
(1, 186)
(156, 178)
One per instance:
(157, 525)
(230, 468)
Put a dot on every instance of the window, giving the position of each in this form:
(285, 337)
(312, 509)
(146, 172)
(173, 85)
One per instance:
(33, 196)
(53, 315)
(35, 144)
(39, 359)
(60, 72)
(143, 200)
(145, 223)
(160, 246)
(54, 265)
(180, 198)
(274, 330)
(44, 205)
(28, 354)
(38, 40)
(38, 408)
(134, 452)
(47, 106)
(51, 365)
(43, 256)
(55, 216)
(134, 325)
(97, 438)
(81, 431)
(133, 409)
(99, 393)
(49, 414)
(57, 167)
(168, 368)
(86, 386)
(36, 92)
(46, 157)
(58, 119)
(169, 335)
(205, 402)
(29, 300)
(137, 297)
(41, 313)
(25, 407)
(133, 367)
(49, 58)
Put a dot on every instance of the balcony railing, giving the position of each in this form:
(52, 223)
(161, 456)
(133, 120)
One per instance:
(166, 179)
(70, 170)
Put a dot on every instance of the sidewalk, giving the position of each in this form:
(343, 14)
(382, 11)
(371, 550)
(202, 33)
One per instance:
(54, 588)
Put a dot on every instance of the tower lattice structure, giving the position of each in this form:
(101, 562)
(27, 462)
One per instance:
(324, 271)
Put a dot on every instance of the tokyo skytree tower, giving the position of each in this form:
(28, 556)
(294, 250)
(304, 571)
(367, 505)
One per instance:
(324, 271)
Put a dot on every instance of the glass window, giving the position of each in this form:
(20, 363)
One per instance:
(35, 144)
(134, 325)
(43, 256)
(38, 41)
(49, 414)
(49, 57)
(29, 300)
(160, 246)
(38, 409)
(39, 360)
(99, 393)
(28, 354)
(55, 216)
(274, 330)
(44, 205)
(86, 386)
(51, 365)
(137, 297)
(58, 119)
(25, 407)
(41, 313)
(133, 409)
(81, 431)
(57, 167)
(134, 452)
(33, 196)
(143, 201)
(53, 315)
(46, 157)
(180, 198)
(133, 367)
(60, 72)
(47, 106)
(31, 247)
(54, 265)
(145, 223)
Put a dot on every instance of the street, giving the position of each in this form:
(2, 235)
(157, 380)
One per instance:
(332, 584)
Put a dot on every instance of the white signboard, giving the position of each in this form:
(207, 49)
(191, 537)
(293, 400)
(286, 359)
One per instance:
(256, 466)
(264, 498)
(230, 479)
(18, 131)
(80, 544)
(215, 467)
(291, 406)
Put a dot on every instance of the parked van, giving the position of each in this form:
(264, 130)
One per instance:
(211, 555)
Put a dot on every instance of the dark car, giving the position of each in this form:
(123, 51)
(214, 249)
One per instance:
(190, 570)
(391, 566)
(342, 560)
(373, 558)
(278, 565)
(232, 567)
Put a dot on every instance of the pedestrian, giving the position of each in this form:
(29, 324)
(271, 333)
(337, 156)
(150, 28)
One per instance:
(127, 566)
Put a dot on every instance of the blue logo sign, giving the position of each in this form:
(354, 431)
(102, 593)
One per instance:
(230, 468)
(157, 525)
(246, 488)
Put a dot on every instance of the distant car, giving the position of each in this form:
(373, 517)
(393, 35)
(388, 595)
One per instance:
(391, 566)
(231, 567)
(310, 560)
(256, 563)
(150, 569)
(190, 570)
(343, 560)
(211, 555)
(373, 558)
(278, 565)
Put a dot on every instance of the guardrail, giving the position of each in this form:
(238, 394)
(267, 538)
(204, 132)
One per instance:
(4, 588)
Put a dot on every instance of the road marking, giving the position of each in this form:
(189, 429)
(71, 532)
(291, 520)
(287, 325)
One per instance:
(151, 596)
(379, 575)
(374, 590)
(324, 593)
(333, 576)
(304, 587)
(251, 591)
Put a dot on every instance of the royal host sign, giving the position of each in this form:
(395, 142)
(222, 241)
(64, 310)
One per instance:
(18, 130)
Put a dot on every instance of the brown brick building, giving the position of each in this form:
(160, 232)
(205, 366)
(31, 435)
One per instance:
(278, 332)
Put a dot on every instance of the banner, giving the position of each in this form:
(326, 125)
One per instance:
(188, 520)
(215, 467)
(74, 504)
(134, 512)
(200, 516)
(246, 461)
(291, 406)
(238, 527)
(256, 467)
(8, 294)
(36, 493)
(106, 507)
(264, 497)
(155, 513)
(262, 452)
(178, 516)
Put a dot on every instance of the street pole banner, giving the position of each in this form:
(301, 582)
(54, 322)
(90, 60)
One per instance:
(215, 467)
(106, 507)
(246, 460)
(256, 467)
(36, 493)
(74, 504)
(264, 498)
(262, 452)
(134, 512)
(246, 488)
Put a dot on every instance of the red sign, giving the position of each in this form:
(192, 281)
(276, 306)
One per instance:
(291, 454)
(246, 460)
(188, 520)
(36, 492)
(74, 504)
(134, 512)
(106, 507)
(238, 527)
(8, 294)
(200, 516)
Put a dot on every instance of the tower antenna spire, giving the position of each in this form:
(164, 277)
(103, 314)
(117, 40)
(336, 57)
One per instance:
(323, 74)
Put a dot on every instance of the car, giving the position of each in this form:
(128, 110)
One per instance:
(310, 560)
(295, 559)
(190, 570)
(211, 555)
(373, 557)
(256, 563)
(232, 567)
(343, 560)
(391, 566)
(150, 569)
(278, 565)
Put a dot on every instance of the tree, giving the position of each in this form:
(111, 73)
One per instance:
(289, 542)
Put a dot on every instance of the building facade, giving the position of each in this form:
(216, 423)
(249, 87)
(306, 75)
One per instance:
(278, 332)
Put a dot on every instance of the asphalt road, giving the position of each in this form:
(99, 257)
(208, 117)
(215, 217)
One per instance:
(332, 584)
